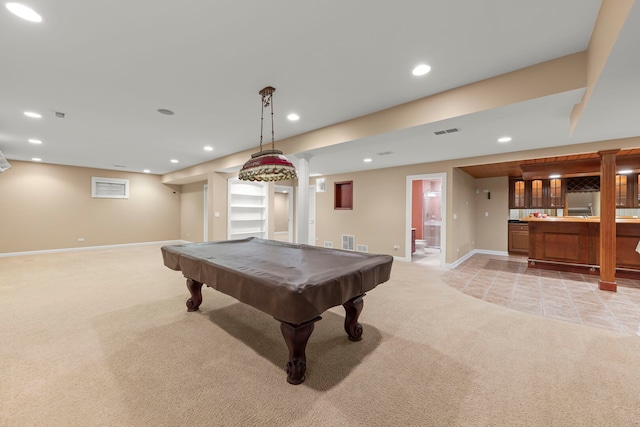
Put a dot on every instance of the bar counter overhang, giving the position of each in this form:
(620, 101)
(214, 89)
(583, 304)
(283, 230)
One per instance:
(573, 244)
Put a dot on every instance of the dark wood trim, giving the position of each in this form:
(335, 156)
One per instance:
(608, 220)
(586, 167)
(593, 270)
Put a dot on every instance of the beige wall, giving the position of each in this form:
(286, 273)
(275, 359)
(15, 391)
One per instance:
(461, 215)
(491, 214)
(218, 209)
(45, 206)
(281, 212)
(192, 212)
(379, 208)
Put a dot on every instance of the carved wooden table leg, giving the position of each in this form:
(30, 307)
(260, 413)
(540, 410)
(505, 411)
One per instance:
(196, 295)
(296, 337)
(353, 308)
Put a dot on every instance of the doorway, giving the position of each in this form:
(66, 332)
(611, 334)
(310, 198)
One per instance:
(426, 225)
(283, 213)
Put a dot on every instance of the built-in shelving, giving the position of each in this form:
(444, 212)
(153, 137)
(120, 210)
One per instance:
(248, 209)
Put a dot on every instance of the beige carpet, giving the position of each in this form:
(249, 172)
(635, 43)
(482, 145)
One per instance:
(102, 338)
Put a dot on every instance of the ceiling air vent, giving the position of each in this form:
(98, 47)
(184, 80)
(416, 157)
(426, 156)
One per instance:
(385, 153)
(445, 131)
(59, 114)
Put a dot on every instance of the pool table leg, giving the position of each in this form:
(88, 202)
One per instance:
(296, 337)
(353, 308)
(196, 295)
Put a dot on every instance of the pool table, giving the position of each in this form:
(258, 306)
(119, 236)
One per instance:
(294, 283)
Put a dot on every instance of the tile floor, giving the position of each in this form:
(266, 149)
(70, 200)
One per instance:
(571, 297)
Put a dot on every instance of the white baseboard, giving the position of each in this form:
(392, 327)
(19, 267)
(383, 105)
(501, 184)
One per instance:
(93, 248)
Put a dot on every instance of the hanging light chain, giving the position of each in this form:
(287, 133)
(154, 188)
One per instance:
(267, 165)
(273, 140)
(267, 100)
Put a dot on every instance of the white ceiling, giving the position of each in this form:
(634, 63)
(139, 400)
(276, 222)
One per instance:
(109, 66)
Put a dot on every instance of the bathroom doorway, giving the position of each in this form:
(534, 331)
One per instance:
(425, 216)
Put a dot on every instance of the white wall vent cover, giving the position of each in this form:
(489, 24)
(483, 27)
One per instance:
(348, 242)
(362, 248)
(109, 188)
(328, 244)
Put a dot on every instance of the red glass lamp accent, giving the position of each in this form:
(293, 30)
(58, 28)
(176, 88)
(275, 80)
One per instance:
(267, 165)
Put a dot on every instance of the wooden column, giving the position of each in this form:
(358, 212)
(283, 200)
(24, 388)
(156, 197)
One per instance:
(607, 280)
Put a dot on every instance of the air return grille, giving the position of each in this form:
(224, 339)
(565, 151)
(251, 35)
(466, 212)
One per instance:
(445, 131)
(348, 242)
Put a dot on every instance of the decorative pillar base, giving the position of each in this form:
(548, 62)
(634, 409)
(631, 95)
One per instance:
(607, 286)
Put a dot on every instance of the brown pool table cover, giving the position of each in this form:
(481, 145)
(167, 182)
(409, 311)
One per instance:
(292, 282)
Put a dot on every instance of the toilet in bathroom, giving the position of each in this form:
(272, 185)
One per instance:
(420, 245)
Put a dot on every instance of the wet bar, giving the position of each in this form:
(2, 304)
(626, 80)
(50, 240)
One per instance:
(573, 244)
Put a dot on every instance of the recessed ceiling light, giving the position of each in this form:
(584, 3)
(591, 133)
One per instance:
(174, 161)
(36, 159)
(293, 117)
(165, 112)
(33, 115)
(146, 171)
(311, 175)
(35, 141)
(504, 139)
(208, 148)
(367, 160)
(625, 171)
(24, 12)
(554, 176)
(421, 70)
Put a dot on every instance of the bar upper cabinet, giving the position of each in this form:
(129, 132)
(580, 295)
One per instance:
(557, 188)
(537, 193)
(518, 194)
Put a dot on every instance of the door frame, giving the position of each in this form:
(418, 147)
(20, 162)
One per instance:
(443, 227)
(205, 225)
(289, 190)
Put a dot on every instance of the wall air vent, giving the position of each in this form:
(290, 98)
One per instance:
(328, 244)
(362, 248)
(348, 242)
(445, 131)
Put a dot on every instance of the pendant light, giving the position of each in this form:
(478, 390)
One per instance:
(267, 165)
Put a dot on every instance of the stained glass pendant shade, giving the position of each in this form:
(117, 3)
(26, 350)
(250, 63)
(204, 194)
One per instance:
(267, 165)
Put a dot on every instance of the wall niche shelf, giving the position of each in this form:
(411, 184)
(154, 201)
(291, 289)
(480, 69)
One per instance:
(248, 212)
(343, 195)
